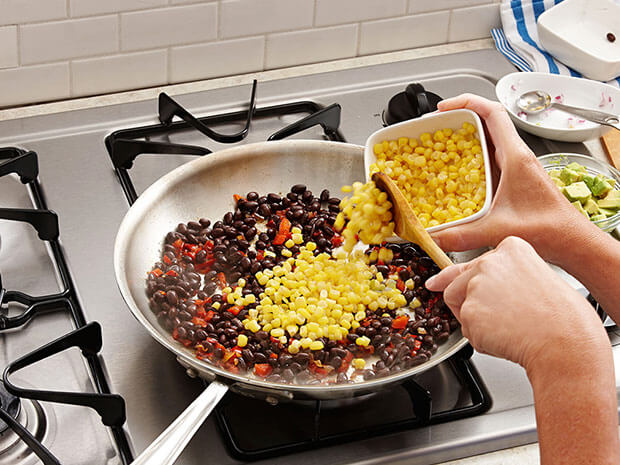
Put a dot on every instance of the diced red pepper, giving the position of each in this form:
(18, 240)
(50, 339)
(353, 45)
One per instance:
(171, 272)
(157, 272)
(400, 322)
(260, 254)
(178, 243)
(285, 226)
(209, 315)
(221, 278)
(279, 239)
(400, 285)
(273, 355)
(262, 369)
(175, 333)
(337, 240)
(237, 197)
(199, 322)
(234, 310)
(167, 260)
(346, 362)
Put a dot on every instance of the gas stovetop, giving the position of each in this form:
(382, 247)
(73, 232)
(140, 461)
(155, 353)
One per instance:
(79, 182)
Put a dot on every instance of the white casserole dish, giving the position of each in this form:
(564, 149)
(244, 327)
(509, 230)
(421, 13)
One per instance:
(575, 32)
(431, 122)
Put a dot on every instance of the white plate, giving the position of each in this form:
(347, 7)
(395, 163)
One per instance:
(575, 32)
(431, 122)
(556, 124)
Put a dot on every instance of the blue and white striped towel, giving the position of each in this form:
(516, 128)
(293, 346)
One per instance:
(518, 41)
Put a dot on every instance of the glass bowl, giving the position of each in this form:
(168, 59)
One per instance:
(594, 167)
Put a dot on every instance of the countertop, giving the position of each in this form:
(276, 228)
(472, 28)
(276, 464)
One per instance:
(524, 455)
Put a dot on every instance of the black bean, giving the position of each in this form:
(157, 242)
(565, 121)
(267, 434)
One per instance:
(334, 201)
(298, 189)
(324, 195)
(252, 196)
(250, 233)
(171, 297)
(264, 210)
(228, 218)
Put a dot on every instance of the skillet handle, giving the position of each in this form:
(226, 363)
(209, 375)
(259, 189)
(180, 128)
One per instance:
(169, 445)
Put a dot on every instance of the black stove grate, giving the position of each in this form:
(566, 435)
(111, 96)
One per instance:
(125, 145)
(88, 336)
(255, 430)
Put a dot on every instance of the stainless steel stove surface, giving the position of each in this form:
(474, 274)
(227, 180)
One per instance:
(81, 186)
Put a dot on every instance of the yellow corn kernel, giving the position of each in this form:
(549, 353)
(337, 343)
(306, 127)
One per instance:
(316, 345)
(358, 363)
(362, 341)
(242, 340)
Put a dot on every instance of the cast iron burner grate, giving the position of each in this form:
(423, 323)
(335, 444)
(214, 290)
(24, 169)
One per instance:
(111, 407)
(125, 145)
(269, 431)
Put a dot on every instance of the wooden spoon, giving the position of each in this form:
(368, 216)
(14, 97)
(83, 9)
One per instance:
(408, 226)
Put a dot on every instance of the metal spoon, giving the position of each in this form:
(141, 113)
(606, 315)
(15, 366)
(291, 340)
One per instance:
(536, 101)
(408, 226)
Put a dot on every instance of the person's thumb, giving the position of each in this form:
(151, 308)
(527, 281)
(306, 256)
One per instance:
(465, 236)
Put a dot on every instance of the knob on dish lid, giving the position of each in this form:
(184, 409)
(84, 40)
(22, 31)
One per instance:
(412, 103)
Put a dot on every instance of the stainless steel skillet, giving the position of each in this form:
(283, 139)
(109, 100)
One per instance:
(204, 188)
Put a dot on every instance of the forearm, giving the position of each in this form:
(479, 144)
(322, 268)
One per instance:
(576, 407)
(593, 257)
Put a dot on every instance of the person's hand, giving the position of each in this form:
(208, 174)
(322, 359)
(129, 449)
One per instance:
(526, 203)
(512, 305)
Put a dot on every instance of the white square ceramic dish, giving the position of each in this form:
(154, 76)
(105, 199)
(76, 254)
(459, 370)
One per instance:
(575, 32)
(430, 123)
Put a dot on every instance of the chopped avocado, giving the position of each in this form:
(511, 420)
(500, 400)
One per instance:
(611, 204)
(598, 217)
(569, 176)
(577, 191)
(558, 182)
(613, 195)
(577, 205)
(555, 173)
(600, 187)
(589, 180)
(591, 207)
(607, 212)
(576, 167)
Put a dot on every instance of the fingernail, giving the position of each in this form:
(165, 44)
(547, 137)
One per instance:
(429, 282)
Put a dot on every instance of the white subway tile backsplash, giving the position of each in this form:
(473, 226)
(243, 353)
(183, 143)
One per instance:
(311, 46)
(402, 33)
(180, 2)
(203, 61)
(473, 23)
(168, 26)
(251, 17)
(30, 84)
(68, 39)
(95, 7)
(98, 46)
(346, 11)
(8, 47)
(27, 11)
(114, 73)
(423, 6)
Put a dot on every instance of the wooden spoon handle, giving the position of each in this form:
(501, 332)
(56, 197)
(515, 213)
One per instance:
(435, 252)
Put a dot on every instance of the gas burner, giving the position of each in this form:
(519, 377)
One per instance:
(415, 101)
(32, 417)
(10, 404)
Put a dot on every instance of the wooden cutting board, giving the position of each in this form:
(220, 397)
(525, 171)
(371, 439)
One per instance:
(611, 144)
